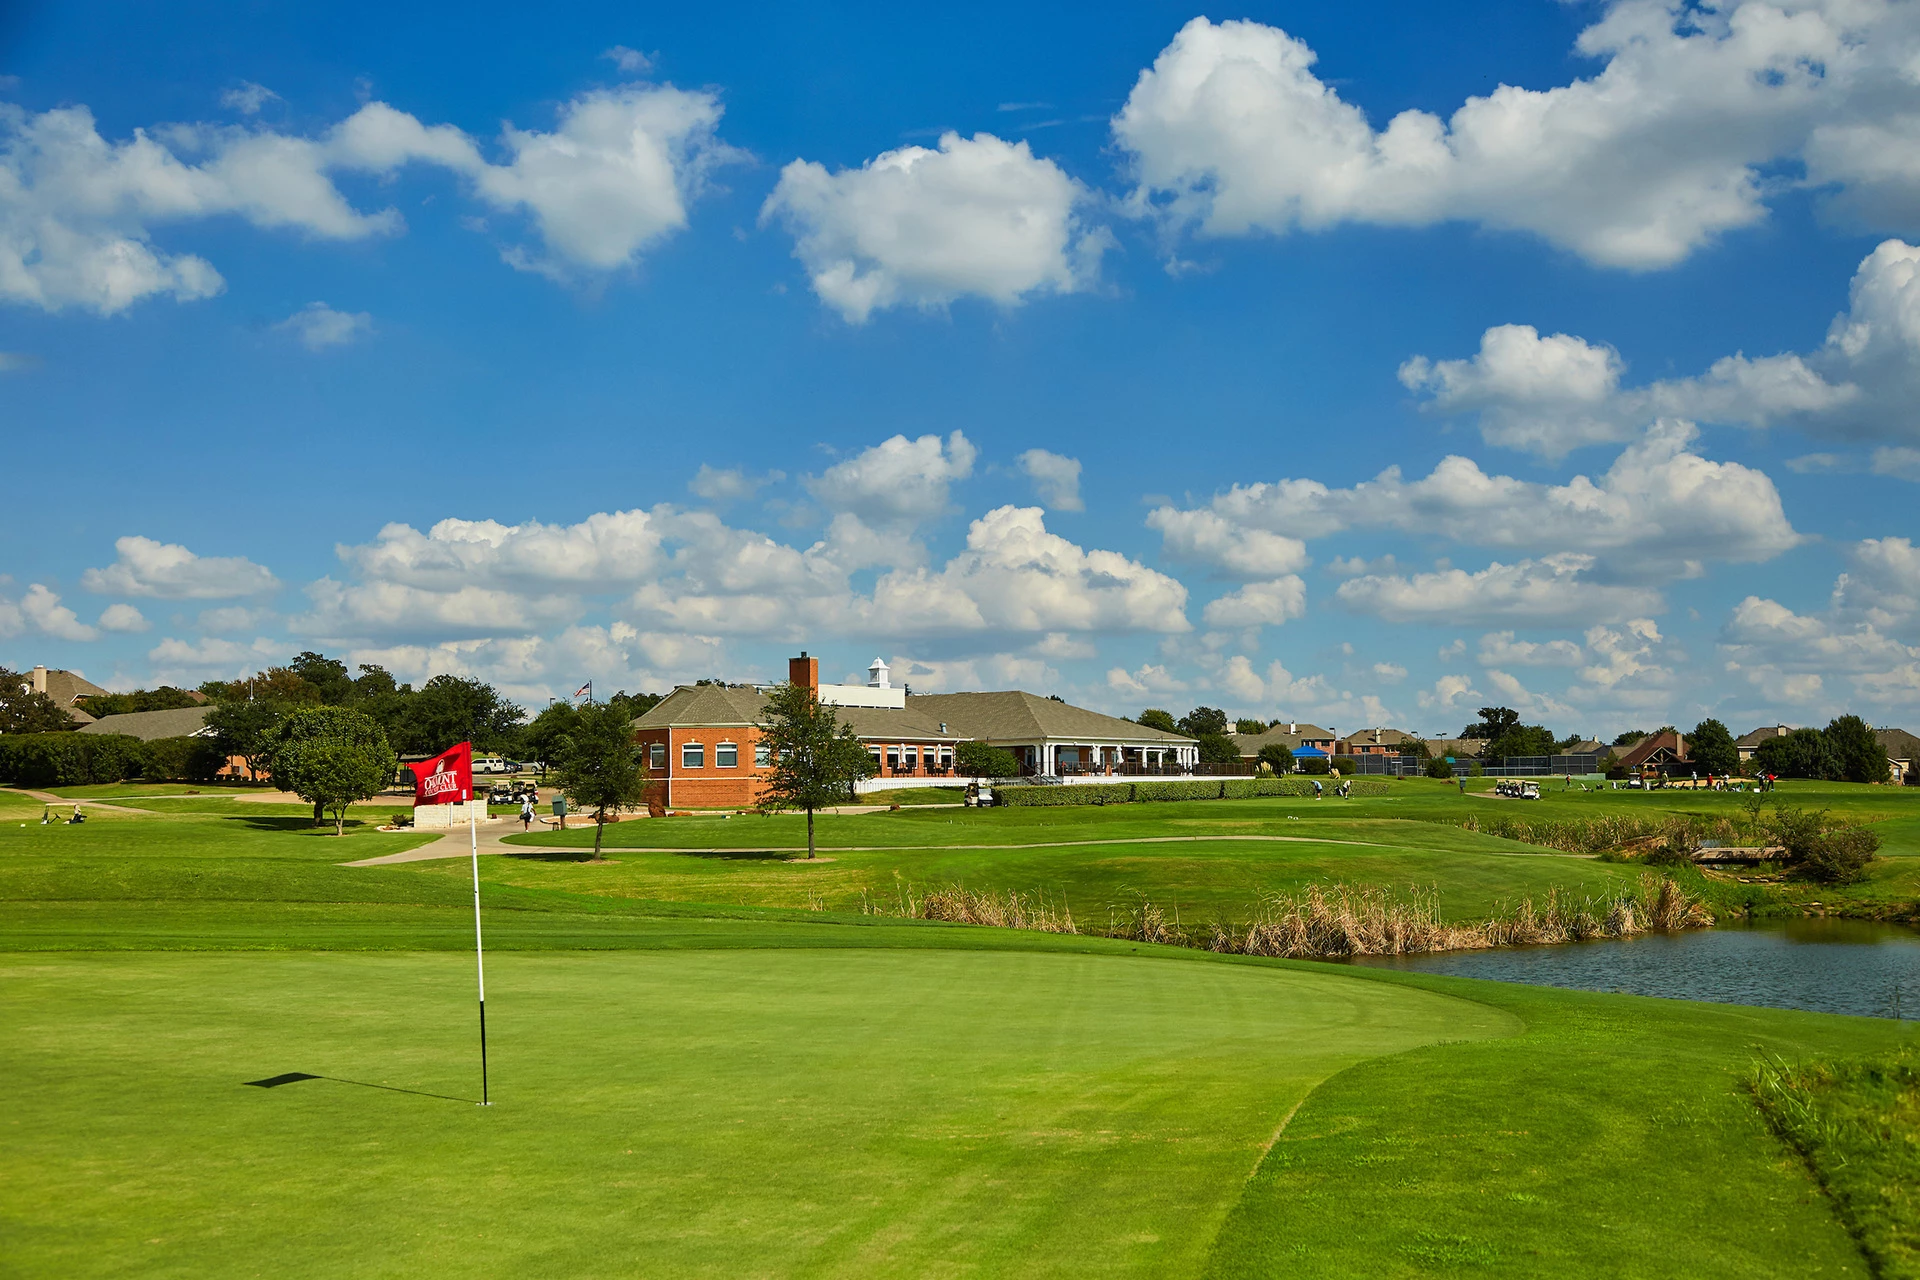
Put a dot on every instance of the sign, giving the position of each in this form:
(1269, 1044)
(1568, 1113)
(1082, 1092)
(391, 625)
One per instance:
(445, 779)
(559, 806)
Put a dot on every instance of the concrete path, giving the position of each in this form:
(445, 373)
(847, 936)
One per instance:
(47, 797)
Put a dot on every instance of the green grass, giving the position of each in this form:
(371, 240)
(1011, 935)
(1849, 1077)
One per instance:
(694, 1078)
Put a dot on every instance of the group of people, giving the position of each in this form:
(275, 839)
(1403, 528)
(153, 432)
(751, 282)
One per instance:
(1344, 790)
(47, 818)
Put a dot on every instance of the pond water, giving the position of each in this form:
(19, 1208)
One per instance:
(1833, 966)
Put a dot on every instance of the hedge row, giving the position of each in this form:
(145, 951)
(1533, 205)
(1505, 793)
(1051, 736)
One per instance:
(1033, 797)
(82, 759)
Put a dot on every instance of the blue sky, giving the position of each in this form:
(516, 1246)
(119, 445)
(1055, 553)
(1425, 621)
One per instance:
(1024, 350)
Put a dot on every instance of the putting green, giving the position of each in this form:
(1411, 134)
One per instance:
(772, 1112)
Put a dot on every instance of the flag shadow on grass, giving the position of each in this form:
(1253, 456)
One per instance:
(295, 1077)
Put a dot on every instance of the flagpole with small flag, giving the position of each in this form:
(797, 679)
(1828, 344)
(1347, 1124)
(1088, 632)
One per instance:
(448, 779)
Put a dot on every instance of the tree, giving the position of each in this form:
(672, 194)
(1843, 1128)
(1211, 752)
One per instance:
(1857, 753)
(165, 698)
(249, 730)
(1521, 740)
(1244, 725)
(450, 709)
(1439, 767)
(1710, 748)
(1800, 753)
(1493, 722)
(275, 684)
(1201, 721)
(540, 740)
(1278, 756)
(330, 757)
(328, 676)
(1218, 748)
(814, 759)
(1416, 749)
(597, 763)
(24, 711)
(979, 760)
(1630, 737)
(1155, 718)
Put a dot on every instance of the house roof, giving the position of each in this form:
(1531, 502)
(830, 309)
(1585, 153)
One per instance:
(1640, 752)
(1015, 717)
(1761, 734)
(1382, 737)
(1251, 744)
(179, 722)
(1590, 747)
(1456, 747)
(714, 706)
(66, 688)
(1898, 744)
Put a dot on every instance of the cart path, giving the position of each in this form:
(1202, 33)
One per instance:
(47, 797)
(455, 845)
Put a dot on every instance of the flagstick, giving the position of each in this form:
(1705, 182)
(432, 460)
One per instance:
(479, 960)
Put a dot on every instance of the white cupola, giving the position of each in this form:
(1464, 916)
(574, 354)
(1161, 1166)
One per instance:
(877, 675)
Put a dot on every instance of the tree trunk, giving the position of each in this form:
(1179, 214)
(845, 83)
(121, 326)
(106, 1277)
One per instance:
(599, 829)
(319, 813)
(340, 821)
(809, 833)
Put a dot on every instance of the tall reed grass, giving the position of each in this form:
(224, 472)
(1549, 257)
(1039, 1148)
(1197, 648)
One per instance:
(1326, 922)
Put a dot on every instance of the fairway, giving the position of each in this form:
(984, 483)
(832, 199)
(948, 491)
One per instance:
(769, 1112)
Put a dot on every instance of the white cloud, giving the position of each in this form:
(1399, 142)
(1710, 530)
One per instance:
(631, 61)
(1884, 581)
(899, 481)
(1150, 680)
(40, 610)
(123, 617)
(1791, 656)
(1449, 693)
(1389, 672)
(993, 671)
(1625, 654)
(1228, 545)
(168, 571)
(1277, 693)
(78, 212)
(1657, 154)
(1500, 649)
(1055, 478)
(184, 662)
(348, 611)
(1259, 604)
(1660, 511)
(1899, 462)
(1553, 589)
(319, 326)
(247, 98)
(231, 618)
(979, 217)
(730, 484)
(1520, 698)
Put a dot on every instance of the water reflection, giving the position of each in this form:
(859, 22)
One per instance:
(1833, 966)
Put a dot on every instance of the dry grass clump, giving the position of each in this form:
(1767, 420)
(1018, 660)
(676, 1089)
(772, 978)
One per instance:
(1582, 835)
(1326, 922)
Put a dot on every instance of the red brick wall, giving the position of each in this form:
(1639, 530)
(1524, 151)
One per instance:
(712, 787)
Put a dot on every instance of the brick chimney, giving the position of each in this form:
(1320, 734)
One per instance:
(804, 671)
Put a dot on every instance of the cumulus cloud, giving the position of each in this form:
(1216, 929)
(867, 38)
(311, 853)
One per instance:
(247, 98)
(979, 217)
(1055, 478)
(1276, 693)
(898, 481)
(1554, 393)
(1659, 512)
(630, 61)
(1657, 154)
(318, 326)
(1553, 589)
(1790, 656)
(1259, 604)
(1500, 649)
(123, 618)
(730, 484)
(79, 212)
(189, 662)
(1226, 544)
(41, 612)
(168, 571)
(1449, 693)
(1151, 679)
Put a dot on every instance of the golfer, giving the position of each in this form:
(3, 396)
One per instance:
(526, 813)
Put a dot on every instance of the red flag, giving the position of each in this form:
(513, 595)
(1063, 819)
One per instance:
(445, 779)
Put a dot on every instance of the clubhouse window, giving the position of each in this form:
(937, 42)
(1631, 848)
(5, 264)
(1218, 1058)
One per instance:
(913, 757)
(762, 756)
(657, 756)
(693, 755)
(726, 755)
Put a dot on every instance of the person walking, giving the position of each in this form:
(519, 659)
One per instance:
(526, 813)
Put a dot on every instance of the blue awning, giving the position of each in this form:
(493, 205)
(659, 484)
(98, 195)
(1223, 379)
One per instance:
(1309, 751)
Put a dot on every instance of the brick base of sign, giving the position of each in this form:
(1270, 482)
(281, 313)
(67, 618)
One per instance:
(449, 815)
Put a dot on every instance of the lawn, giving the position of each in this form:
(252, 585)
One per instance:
(731, 1086)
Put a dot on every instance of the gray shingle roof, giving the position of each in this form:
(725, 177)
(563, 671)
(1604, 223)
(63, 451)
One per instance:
(737, 706)
(1012, 716)
(1898, 743)
(179, 722)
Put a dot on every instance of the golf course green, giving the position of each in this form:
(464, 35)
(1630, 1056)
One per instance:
(709, 1061)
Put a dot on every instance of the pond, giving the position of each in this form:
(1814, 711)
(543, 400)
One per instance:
(1832, 966)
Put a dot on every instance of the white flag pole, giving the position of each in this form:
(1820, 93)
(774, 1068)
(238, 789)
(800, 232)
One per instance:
(479, 959)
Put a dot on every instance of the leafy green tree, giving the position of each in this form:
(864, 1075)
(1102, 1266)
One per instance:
(636, 705)
(1439, 767)
(979, 760)
(540, 740)
(598, 764)
(24, 711)
(1710, 748)
(1521, 740)
(1630, 737)
(1278, 756)
(1244, 725)
(450, 709)
(1201, 721)
(1416, 749)
(275, 684)
(249, 730)
(815, 760)
(331, 757)
(165, 698)
(1155, 718)
(332, 686)
(1493, 722)
(1800, 753)
(1218, 748)
(1857, 753)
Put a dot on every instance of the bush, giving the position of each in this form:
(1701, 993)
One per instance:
(1841, 856)
(1278, 755)
(1239, 788)
(69, 759)
(1347, 765)
(1439, 767)
(181, 760)
(1200, 789)
(1315, 765)
(1282, 787)
(978, 760)
(1031, 797)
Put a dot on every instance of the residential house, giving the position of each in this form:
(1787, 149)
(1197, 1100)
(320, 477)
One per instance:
(1586, 747)
(1749, 743)
(1377, 742)
(1456, 748)
(1054, 738)
(177, 722)
(1663, 752)
(67, 688)
(702, 742)
(1295, 736)
(1903, 753)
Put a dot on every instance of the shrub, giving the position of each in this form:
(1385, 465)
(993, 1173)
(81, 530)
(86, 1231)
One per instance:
(1239, 788)
(1278, 755)
(1030, 797)
(977, 759)
(1841, 856)
(1439, 767)
(181, 760)
(1198, 789)
(68, 759)
(1315, 765)
(1347, 765)
(1282, 787)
